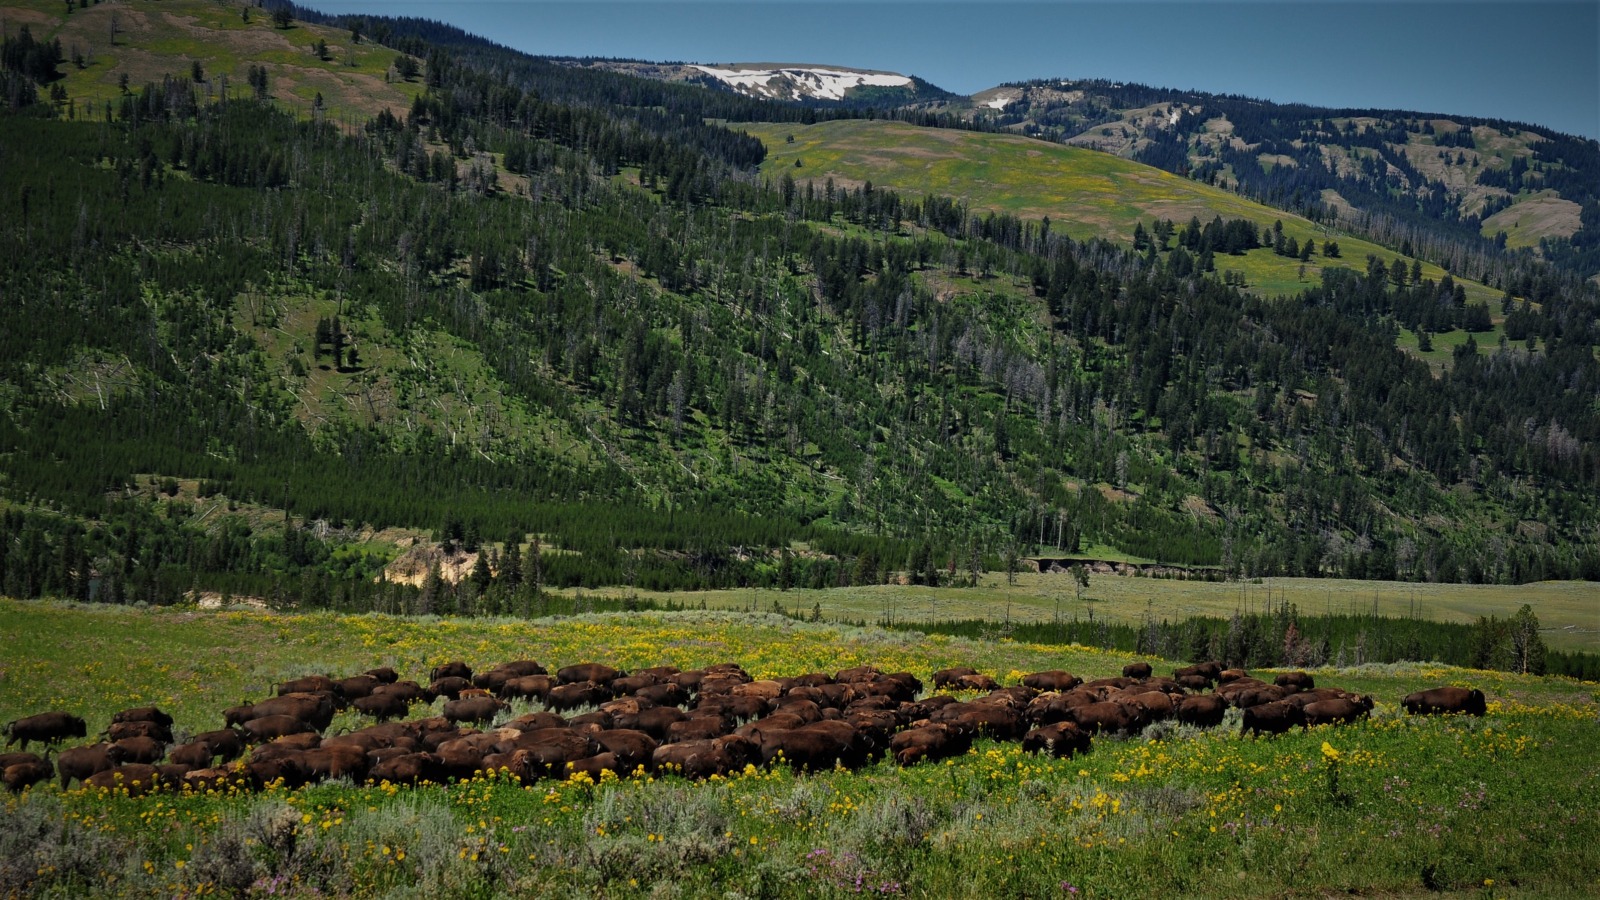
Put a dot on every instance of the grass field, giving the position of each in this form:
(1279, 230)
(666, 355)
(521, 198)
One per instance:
(1568, 611)
(1085, 193)
(1392, 806)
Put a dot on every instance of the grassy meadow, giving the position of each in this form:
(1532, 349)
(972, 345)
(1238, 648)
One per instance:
(1084, 192)
(1394, 805)
(1568, 611)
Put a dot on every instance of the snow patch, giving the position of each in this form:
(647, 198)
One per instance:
(1172, 115)
(824, 84)
(999, 102)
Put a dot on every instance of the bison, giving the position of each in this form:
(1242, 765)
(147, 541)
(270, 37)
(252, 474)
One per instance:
(595, 672)
(1276, 717)
(46, 728)
(474, 709)
(1295, 681)
(142, 714)
(78, 763)
(945, 678)
(1061, 740)
(702, 759)
(1053, 680)
(1202, 712)
(1339, 711)
(310, 684)
(135, 778)
(18, 777)
(1445, 700)
(456, 669)
(1136, 670)
(931, 742)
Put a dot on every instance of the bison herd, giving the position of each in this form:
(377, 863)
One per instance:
(697, 723)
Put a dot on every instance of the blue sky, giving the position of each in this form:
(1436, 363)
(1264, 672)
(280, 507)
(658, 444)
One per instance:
(1534, 62)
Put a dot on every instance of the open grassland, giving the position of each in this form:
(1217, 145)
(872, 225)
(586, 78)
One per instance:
(147, 42)
(1568, 611)
(1085, 193)
(1393, 805)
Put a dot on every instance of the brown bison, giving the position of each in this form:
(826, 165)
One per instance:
(224, 742)
(140, 750)
(1136, 670)
(382, 707)
(572, 695)
(1445, 700)
(1106, 716)
(976, 683)
(817, 747)
(931, 742)
(1061, 740)
(1295, 681)
(595, 672)
(78, 763)
(1053, 680)
(142, 714)
(702, 759)
(310, 684)
(18, 777)
(135, 778)
(449, 687)
(1339, 711)
(316, 710)
(1202, 712)
(474, 709)
(155, 730)
(47, 728)
(384, 674)
(269, 728)
(1276, 717)
(1211, 671)
(946, 678)
(195, 754)
(412, 768)
(357, 686)
(456, 669)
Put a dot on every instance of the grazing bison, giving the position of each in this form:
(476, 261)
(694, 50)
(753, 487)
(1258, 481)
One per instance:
(474, 709)
(1446, 700)
(931, 742)
(1105, 716)
(142, 714)
(78, 763)
(1061, 740)
(703, 759)
(1053, 680)
(408, 690)
(449, 687)
(1194, 683)
(357, 686)
(316, 710)
(996, 720)
(47, 728)
(135, 778)
(140, 750)
(269, 728)
(575, 694)
(1136, 670)
(1211, 671)
(945, 678)
(976, 683)
(384, 674)
(817, 747)
(310, 684)
(1276, 717)
(382, 707)
(595, 672)
(1202, 712)
(195, 754)
(1295, 681)
(457, 669)
(224, 742)
(1338, 711)
(155, 730)
(631, 748)
(411, 768)
(546, 753)
(18, 777)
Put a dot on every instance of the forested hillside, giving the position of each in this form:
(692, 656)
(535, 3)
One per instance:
(243, 341)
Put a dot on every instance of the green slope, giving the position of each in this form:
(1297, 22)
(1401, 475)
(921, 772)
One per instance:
(1086, 193)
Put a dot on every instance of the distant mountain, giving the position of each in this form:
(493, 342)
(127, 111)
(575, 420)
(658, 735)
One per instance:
(1411, 176)
(817, 85)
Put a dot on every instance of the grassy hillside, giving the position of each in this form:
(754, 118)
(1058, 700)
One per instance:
(1491, 806)
(146, 42)
(1084, 193)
